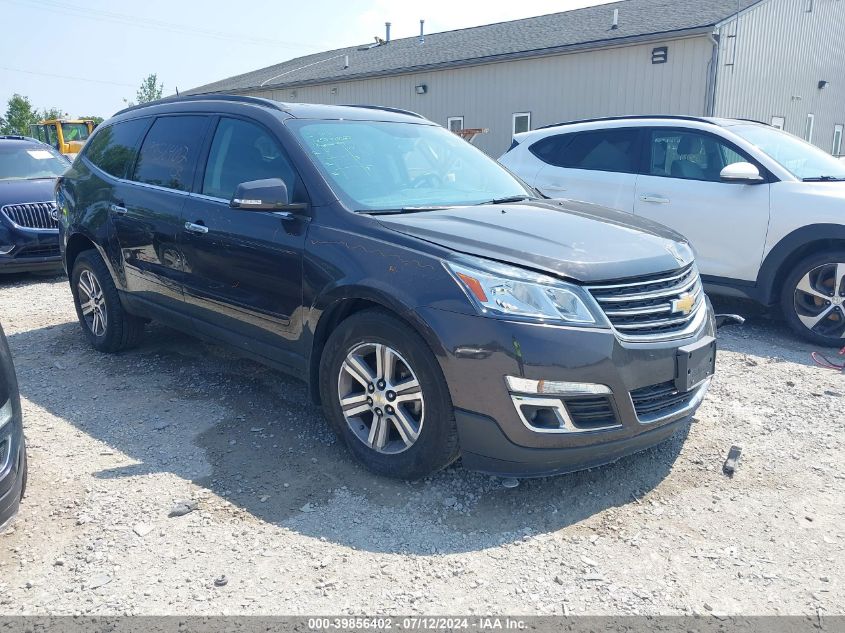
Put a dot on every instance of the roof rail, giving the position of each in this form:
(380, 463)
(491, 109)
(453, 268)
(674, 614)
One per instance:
(208, 97)
(679, 117)
(385, 108)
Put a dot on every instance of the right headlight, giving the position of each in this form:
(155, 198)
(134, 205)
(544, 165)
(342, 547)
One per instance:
(510, 292)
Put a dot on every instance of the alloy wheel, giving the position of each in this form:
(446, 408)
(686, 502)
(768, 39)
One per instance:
(381, 398)
(92, 303)
(820, 300)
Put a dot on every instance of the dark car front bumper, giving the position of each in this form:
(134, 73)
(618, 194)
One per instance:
(33, 250)
(477, 354)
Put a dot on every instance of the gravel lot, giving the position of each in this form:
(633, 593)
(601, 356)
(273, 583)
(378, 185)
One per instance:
(297, 528)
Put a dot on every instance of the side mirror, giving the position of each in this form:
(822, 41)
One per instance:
(263, 195)
(741, 173)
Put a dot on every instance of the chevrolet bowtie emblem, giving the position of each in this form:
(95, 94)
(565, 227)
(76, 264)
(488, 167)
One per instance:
(683, 304)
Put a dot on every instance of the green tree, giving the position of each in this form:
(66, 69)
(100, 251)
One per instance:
(19, 116)
(150, 90)
(50, 113)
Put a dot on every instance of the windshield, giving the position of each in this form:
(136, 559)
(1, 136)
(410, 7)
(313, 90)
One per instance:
(801, 159)
(28, 162)
(384, 166)
(74, 132)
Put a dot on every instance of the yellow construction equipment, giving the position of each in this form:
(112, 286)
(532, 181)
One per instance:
(66, 135)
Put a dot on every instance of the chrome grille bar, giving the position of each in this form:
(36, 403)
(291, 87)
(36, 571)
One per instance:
(664, 306)
(32, 215)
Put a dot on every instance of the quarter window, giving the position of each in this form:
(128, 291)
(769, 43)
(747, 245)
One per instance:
(240, 152)
(113, 148)
(552, 149)
(612, 150)
(168, 154)
(689, 155)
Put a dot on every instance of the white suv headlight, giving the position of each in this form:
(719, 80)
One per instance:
(510, 292)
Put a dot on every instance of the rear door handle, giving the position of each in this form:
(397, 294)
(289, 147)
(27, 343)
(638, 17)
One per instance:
(196, 228)
(653, 197)
(119, 209)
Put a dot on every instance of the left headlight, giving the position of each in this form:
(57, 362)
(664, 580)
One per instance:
(510, 292)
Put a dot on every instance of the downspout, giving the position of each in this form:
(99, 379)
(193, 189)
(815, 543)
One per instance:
(712, 75)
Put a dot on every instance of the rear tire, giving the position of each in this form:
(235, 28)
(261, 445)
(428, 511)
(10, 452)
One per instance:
(106, 324)
(397, 417)
(813, 298)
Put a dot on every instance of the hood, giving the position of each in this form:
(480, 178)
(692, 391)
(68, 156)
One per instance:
(580, 241)
(21, 191)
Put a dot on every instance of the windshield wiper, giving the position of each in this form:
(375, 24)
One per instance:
(403, 210)
(824, 179)
(506, 200)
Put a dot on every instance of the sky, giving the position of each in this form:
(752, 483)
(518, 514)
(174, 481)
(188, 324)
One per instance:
(86, 57)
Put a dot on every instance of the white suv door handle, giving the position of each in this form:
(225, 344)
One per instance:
(554, 188)
(196, 228)
(652, 197)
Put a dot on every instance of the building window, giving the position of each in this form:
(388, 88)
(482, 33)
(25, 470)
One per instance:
(455, 123)
(837, 140)
(808, 131)
(778, 122)
(521, 122)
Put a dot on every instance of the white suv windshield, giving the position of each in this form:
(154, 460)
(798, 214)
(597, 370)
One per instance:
(387, 166)
(801, 159)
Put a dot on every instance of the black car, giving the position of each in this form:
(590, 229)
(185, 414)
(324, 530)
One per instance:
(13, 469)
(29, 234)
(434, 304)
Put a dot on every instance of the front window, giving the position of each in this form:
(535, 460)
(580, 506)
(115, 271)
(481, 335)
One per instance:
(74, 132)
(688, 155)
(386, 166)
(802, 160)
(30, 162)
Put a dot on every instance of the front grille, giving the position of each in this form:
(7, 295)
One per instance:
(39, 251)
(660, 400)
(645, 308)
(591, 412)
(33, 215)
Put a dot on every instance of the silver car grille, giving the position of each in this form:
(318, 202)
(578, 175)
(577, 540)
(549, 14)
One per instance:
(33, 215)
(654, 307)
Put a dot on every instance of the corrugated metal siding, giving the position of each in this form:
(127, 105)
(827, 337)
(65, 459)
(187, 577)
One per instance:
(780, 53)
(604, 82)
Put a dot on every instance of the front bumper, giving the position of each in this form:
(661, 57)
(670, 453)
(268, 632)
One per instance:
(32, 250)
(477, 354)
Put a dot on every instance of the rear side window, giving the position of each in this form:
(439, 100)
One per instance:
(605, 150)
(113, 149)
(169, 152)
(551, 149)
(240, 152)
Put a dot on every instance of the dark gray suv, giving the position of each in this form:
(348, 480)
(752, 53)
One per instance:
(436, 306)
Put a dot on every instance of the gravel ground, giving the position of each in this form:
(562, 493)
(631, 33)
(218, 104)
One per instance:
(297, 528)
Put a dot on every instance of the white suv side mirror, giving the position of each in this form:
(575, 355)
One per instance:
(741, 173)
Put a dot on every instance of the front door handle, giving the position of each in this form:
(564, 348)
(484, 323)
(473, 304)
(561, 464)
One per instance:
(117, 208)
(196, 228)
(653, 197)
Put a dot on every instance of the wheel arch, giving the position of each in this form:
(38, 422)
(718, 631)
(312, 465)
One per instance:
(335, 309)
(792, 249)
(76, 244)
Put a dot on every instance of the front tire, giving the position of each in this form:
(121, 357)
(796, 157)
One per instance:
(107, 326)
(813, 298)
(385, 395)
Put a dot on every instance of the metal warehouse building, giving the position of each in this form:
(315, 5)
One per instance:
(778, 61)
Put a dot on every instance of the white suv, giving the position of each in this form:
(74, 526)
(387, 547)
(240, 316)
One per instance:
(764, 211)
